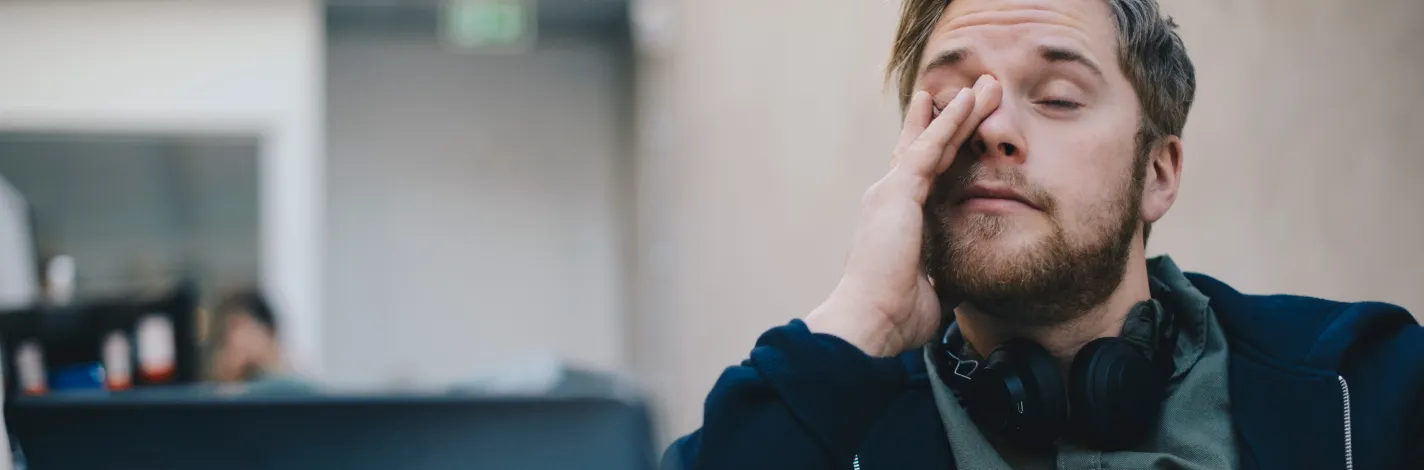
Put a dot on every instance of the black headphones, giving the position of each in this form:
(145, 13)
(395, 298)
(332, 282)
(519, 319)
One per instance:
(1111, 400)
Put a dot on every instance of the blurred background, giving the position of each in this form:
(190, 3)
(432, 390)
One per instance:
(424, 191)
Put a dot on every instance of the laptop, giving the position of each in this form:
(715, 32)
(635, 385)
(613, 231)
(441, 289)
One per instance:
(162, 430)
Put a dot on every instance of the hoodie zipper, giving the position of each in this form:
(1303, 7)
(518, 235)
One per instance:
(1349, 452)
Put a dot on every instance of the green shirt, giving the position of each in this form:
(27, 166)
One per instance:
(1195, 430)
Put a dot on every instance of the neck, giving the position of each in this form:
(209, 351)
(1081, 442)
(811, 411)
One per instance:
(986, 331)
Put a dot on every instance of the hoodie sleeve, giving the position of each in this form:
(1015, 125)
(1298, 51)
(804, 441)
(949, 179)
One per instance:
(801, 401)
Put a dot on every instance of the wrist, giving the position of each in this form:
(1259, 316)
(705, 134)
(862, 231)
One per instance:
(857, 325)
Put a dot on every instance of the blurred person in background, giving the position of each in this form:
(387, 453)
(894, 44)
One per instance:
(997, 309)
(246, 346)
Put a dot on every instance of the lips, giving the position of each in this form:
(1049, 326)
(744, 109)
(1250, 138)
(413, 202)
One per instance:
(995, 192)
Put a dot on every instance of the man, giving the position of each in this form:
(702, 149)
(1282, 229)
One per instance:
(246, 348)
(997, 309)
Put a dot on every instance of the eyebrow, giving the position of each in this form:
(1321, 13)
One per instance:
(954, 57)
(947, 59)
(1059, 54)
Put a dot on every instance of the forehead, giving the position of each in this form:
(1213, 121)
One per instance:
(1086, 25)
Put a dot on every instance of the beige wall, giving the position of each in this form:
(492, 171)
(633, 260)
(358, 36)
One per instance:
(767, 120)
(760, 131)
(1303, 162)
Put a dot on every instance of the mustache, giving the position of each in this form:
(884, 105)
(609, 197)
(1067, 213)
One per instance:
(977, 172)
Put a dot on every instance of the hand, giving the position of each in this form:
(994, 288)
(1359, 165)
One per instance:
(884, 303)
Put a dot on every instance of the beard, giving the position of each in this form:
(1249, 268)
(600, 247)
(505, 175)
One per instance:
(1051, 280)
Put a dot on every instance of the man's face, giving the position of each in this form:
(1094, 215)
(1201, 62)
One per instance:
(1036, 216)
(244, 344)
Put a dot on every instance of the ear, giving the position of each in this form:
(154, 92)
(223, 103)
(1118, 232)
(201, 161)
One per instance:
(1164, 176)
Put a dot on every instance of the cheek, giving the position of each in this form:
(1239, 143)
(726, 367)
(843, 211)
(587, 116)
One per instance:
(1085, 172)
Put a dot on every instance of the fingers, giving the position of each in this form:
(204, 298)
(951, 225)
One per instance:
(923, 155)
(987, 96)
(914, 168)
(931, 136)
(917, 117)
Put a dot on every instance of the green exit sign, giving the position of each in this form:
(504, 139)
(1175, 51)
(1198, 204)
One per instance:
(488, 24)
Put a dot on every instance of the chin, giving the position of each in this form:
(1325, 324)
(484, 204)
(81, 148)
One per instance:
(1009, 234)
(986, 253)
(999, 261)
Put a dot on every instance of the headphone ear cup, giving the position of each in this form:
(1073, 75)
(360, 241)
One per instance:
(1115, 394)
(1020, 394)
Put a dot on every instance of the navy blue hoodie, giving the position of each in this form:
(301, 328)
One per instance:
(1313, 384)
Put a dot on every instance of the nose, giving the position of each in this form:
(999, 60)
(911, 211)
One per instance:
(1000, 135)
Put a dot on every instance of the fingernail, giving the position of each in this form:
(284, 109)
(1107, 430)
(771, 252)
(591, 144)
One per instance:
(964, 92)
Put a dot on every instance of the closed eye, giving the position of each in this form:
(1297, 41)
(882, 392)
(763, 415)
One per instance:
(1061, 104)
